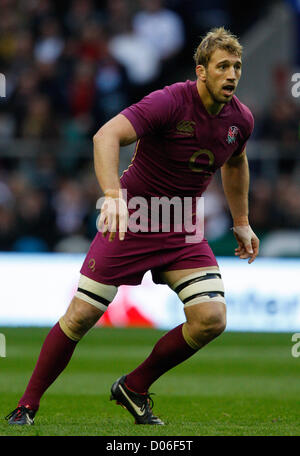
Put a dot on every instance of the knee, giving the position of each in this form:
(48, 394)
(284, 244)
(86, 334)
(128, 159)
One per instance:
(208, 323)
(214, 323)
(79, 318)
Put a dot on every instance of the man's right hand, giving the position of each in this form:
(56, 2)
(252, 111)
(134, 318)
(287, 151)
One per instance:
(113, 216)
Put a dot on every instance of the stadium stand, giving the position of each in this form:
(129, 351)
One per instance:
(66, 74)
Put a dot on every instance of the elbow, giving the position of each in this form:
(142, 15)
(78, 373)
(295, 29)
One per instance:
(105, 134)
(98, 136)
(238, 161)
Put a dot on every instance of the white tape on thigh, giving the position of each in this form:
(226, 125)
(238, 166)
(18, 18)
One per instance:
(201, 286)
(98, 294)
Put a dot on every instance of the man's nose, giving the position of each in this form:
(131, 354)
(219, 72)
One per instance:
(231, 76)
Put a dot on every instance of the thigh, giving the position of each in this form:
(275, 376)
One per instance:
(171, 277)
(204, 299)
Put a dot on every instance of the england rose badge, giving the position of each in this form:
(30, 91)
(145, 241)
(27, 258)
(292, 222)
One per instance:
(232, 134)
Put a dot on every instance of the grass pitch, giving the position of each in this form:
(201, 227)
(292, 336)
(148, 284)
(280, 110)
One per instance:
(238, 385)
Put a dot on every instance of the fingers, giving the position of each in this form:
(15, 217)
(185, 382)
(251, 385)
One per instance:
(123, 225)
(113, 218)
(242, 253)
(248, 244)
(102, 224)
(255, 246)
(112, 227)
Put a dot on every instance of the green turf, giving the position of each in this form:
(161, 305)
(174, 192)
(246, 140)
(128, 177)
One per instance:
(240, 384)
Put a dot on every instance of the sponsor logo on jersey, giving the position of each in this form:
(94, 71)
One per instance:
(186, 127)
(232, 134)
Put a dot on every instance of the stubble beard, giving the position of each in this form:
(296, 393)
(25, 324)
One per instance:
(215, 97)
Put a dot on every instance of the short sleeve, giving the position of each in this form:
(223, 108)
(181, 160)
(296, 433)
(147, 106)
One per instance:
(245, 134)
(152, 114)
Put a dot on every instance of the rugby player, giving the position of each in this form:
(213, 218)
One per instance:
(184, 133)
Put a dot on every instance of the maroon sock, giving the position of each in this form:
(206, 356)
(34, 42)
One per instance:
(54, 357)
(169, 351)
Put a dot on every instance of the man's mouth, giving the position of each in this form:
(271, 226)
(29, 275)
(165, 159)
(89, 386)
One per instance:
(228, 89)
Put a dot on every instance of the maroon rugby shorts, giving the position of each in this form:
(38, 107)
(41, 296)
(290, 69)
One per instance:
(125, 262)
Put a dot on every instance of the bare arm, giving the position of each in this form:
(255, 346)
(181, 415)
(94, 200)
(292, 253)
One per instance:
(107, 141)
(235, 179)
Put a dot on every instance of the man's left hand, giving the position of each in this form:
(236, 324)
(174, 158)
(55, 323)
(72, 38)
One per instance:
(248, 243)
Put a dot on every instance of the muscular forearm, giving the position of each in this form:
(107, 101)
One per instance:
(235, 179)
(106, 162)
(107, 141)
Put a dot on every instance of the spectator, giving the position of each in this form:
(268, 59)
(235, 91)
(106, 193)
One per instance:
(92, 42)
(23, 58)
(7, 126)
(39, 122)
(140, 58)
(161, 27)
(281, 119)
(217, 220)
(119, 16)
(35, 219)
(81, 12)
(261, 202)
(70, 208)
(26, 88)
(9, 23)
(82, 90)
(50, 44)
(111, 89)
(8, 233)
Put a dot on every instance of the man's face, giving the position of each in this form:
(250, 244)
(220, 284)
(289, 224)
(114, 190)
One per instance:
(222, 75)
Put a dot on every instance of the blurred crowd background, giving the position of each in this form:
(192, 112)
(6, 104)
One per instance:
(72, 65)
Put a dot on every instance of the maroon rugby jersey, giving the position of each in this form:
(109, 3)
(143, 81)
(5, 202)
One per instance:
(180, 145)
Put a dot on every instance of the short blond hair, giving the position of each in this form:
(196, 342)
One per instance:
(217, 38)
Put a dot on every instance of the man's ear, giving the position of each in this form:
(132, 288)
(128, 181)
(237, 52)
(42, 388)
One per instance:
(201, 72)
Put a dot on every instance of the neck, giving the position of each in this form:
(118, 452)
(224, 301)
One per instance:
(211, 106)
